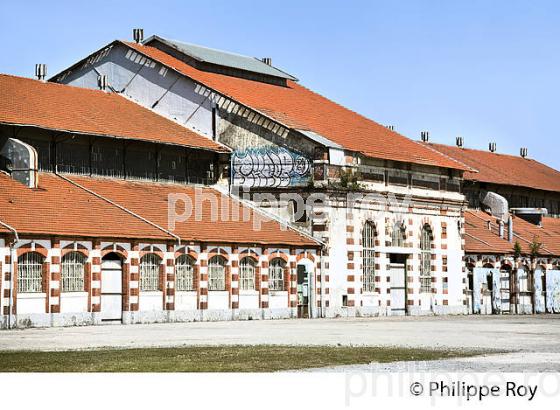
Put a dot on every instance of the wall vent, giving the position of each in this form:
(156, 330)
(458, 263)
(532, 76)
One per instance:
(138, 35)
(41, 71)
(102, 82)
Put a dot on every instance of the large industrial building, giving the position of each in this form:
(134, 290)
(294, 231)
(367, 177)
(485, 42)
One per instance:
(341, 216)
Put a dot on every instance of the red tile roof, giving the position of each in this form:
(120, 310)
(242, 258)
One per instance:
(503, 169)
(480, 239)
(151, 201)
(58, 207)
(25, 101)
(300, 108)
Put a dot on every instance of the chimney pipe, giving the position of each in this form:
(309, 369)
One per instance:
(390, 127)
(523, 152)
(425, 136)
(138, 35)
(510, 229)
(459, 142)
(267, 60)
(492, 147)
(41, 71)
(501, 226)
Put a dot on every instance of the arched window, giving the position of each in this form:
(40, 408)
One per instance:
(276, 274)
(398, 235)
(247, 269)
(368, 257)
(217, 273)
(73, 272)
(184, 272)
(30, 273)
(149, 272)
(426, 259)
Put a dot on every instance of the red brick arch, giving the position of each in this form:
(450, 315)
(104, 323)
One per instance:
(278, 254)
(40, 249)
(305, 255)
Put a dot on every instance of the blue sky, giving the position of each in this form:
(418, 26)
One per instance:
(484, 70)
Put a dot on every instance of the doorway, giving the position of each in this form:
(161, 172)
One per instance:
(302, 292)
(111, 288)
(397, 273)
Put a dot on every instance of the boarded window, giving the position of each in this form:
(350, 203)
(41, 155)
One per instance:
(276, 274)
(30, 273)
(184, 272)
(149, 272)
(73, 264)
(217, 273)
(368, 257)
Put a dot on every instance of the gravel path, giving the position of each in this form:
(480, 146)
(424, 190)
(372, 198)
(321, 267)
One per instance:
(533, 340)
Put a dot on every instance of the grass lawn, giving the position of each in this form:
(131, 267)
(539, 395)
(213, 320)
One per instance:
(260, 358)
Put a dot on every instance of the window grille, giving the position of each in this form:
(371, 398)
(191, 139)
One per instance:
(149, 272)
(247, 269)
(73, 272)
(184, 270)
(30, 273)
(368, 257)
(276, 274)
(425, 260)
(217, 273)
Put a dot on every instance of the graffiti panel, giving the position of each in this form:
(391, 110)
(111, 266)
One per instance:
(539, 298)
(553, 291)
(270, 167)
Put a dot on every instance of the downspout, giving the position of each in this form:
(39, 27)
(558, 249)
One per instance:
(12, 270)
(322, 275)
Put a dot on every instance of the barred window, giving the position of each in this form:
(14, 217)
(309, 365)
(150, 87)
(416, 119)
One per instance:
(247, 269)
(73, 272)
(217, 273)
(425, 259)
(184, 270)
(149, 272)
(368, 257)
(30, 273)
(276, 274)
(398, 235)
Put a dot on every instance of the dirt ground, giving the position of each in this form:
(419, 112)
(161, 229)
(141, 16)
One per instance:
(532, 342)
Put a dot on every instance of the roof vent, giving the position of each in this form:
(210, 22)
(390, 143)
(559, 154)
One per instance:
(425, 136)
(492, 147)
(459, 142)
(41, 71)
(267, 60)
(390, 127)
(138, 35)
(102, 82)
(523, 152)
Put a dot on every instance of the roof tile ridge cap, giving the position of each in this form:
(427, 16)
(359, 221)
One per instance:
(428, 145)
(126, 97)
(276, 218)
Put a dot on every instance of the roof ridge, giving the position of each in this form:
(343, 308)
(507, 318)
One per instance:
(469, 169)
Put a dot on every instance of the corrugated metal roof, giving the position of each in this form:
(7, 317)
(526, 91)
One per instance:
(222, 58)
